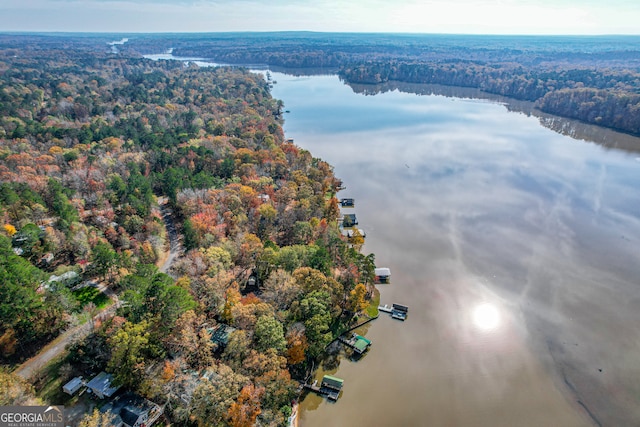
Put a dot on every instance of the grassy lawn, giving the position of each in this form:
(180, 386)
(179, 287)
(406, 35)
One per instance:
(372, 310)
(91, 294)
(48, 386)
(48, 383)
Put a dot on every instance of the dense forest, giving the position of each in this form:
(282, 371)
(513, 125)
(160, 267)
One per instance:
(98, 144)
(593, 79)
(91, 143)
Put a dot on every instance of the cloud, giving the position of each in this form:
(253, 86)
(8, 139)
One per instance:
(465, 16)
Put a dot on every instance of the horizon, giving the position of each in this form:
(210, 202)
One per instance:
(460, 17)
(232, 32)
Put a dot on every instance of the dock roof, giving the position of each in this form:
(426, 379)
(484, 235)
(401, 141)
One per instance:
(332, 381)
(361, 344)
(382, 271)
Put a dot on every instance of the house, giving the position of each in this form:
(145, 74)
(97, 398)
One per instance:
(101, 385)
(73, 386)
(69, 278)
(383, 275)
(220, 334)
(46, 258)
(131, 410)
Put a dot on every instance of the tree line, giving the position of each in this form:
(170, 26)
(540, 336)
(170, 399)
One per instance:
(609, 98)
(595, 79)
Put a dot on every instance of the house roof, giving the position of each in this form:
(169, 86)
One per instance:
(101, 384)
(220, 334)
(129, 407)
(73, 385)
(66, 276)
(130, 415)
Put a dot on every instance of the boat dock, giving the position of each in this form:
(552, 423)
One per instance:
(329, 387)
(383, 275)
(397, 311)
(385, 308)
(358, 343)
(347, 203)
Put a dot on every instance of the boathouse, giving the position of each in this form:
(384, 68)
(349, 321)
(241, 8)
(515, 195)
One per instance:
(349, 220)
(332, 382)
(358, 343)
(329, 387)
(350, 233)
(383, 275)
(361, 344)
(399, 311)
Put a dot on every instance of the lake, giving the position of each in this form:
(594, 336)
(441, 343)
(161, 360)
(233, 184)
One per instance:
(515, 247)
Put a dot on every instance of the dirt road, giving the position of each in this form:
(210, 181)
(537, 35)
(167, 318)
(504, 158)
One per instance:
(175, 246)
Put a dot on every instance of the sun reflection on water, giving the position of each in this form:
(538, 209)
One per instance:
(486, 317)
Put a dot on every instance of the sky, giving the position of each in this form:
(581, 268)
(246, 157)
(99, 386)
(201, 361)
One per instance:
(414, 16)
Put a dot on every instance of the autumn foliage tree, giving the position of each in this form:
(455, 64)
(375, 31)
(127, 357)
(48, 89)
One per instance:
(88, 143)
(245, 410)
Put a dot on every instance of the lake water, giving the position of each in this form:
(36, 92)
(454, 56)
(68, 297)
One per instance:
(515, 247)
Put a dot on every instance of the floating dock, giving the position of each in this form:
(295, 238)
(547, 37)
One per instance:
(385, 308)
(397, 311)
